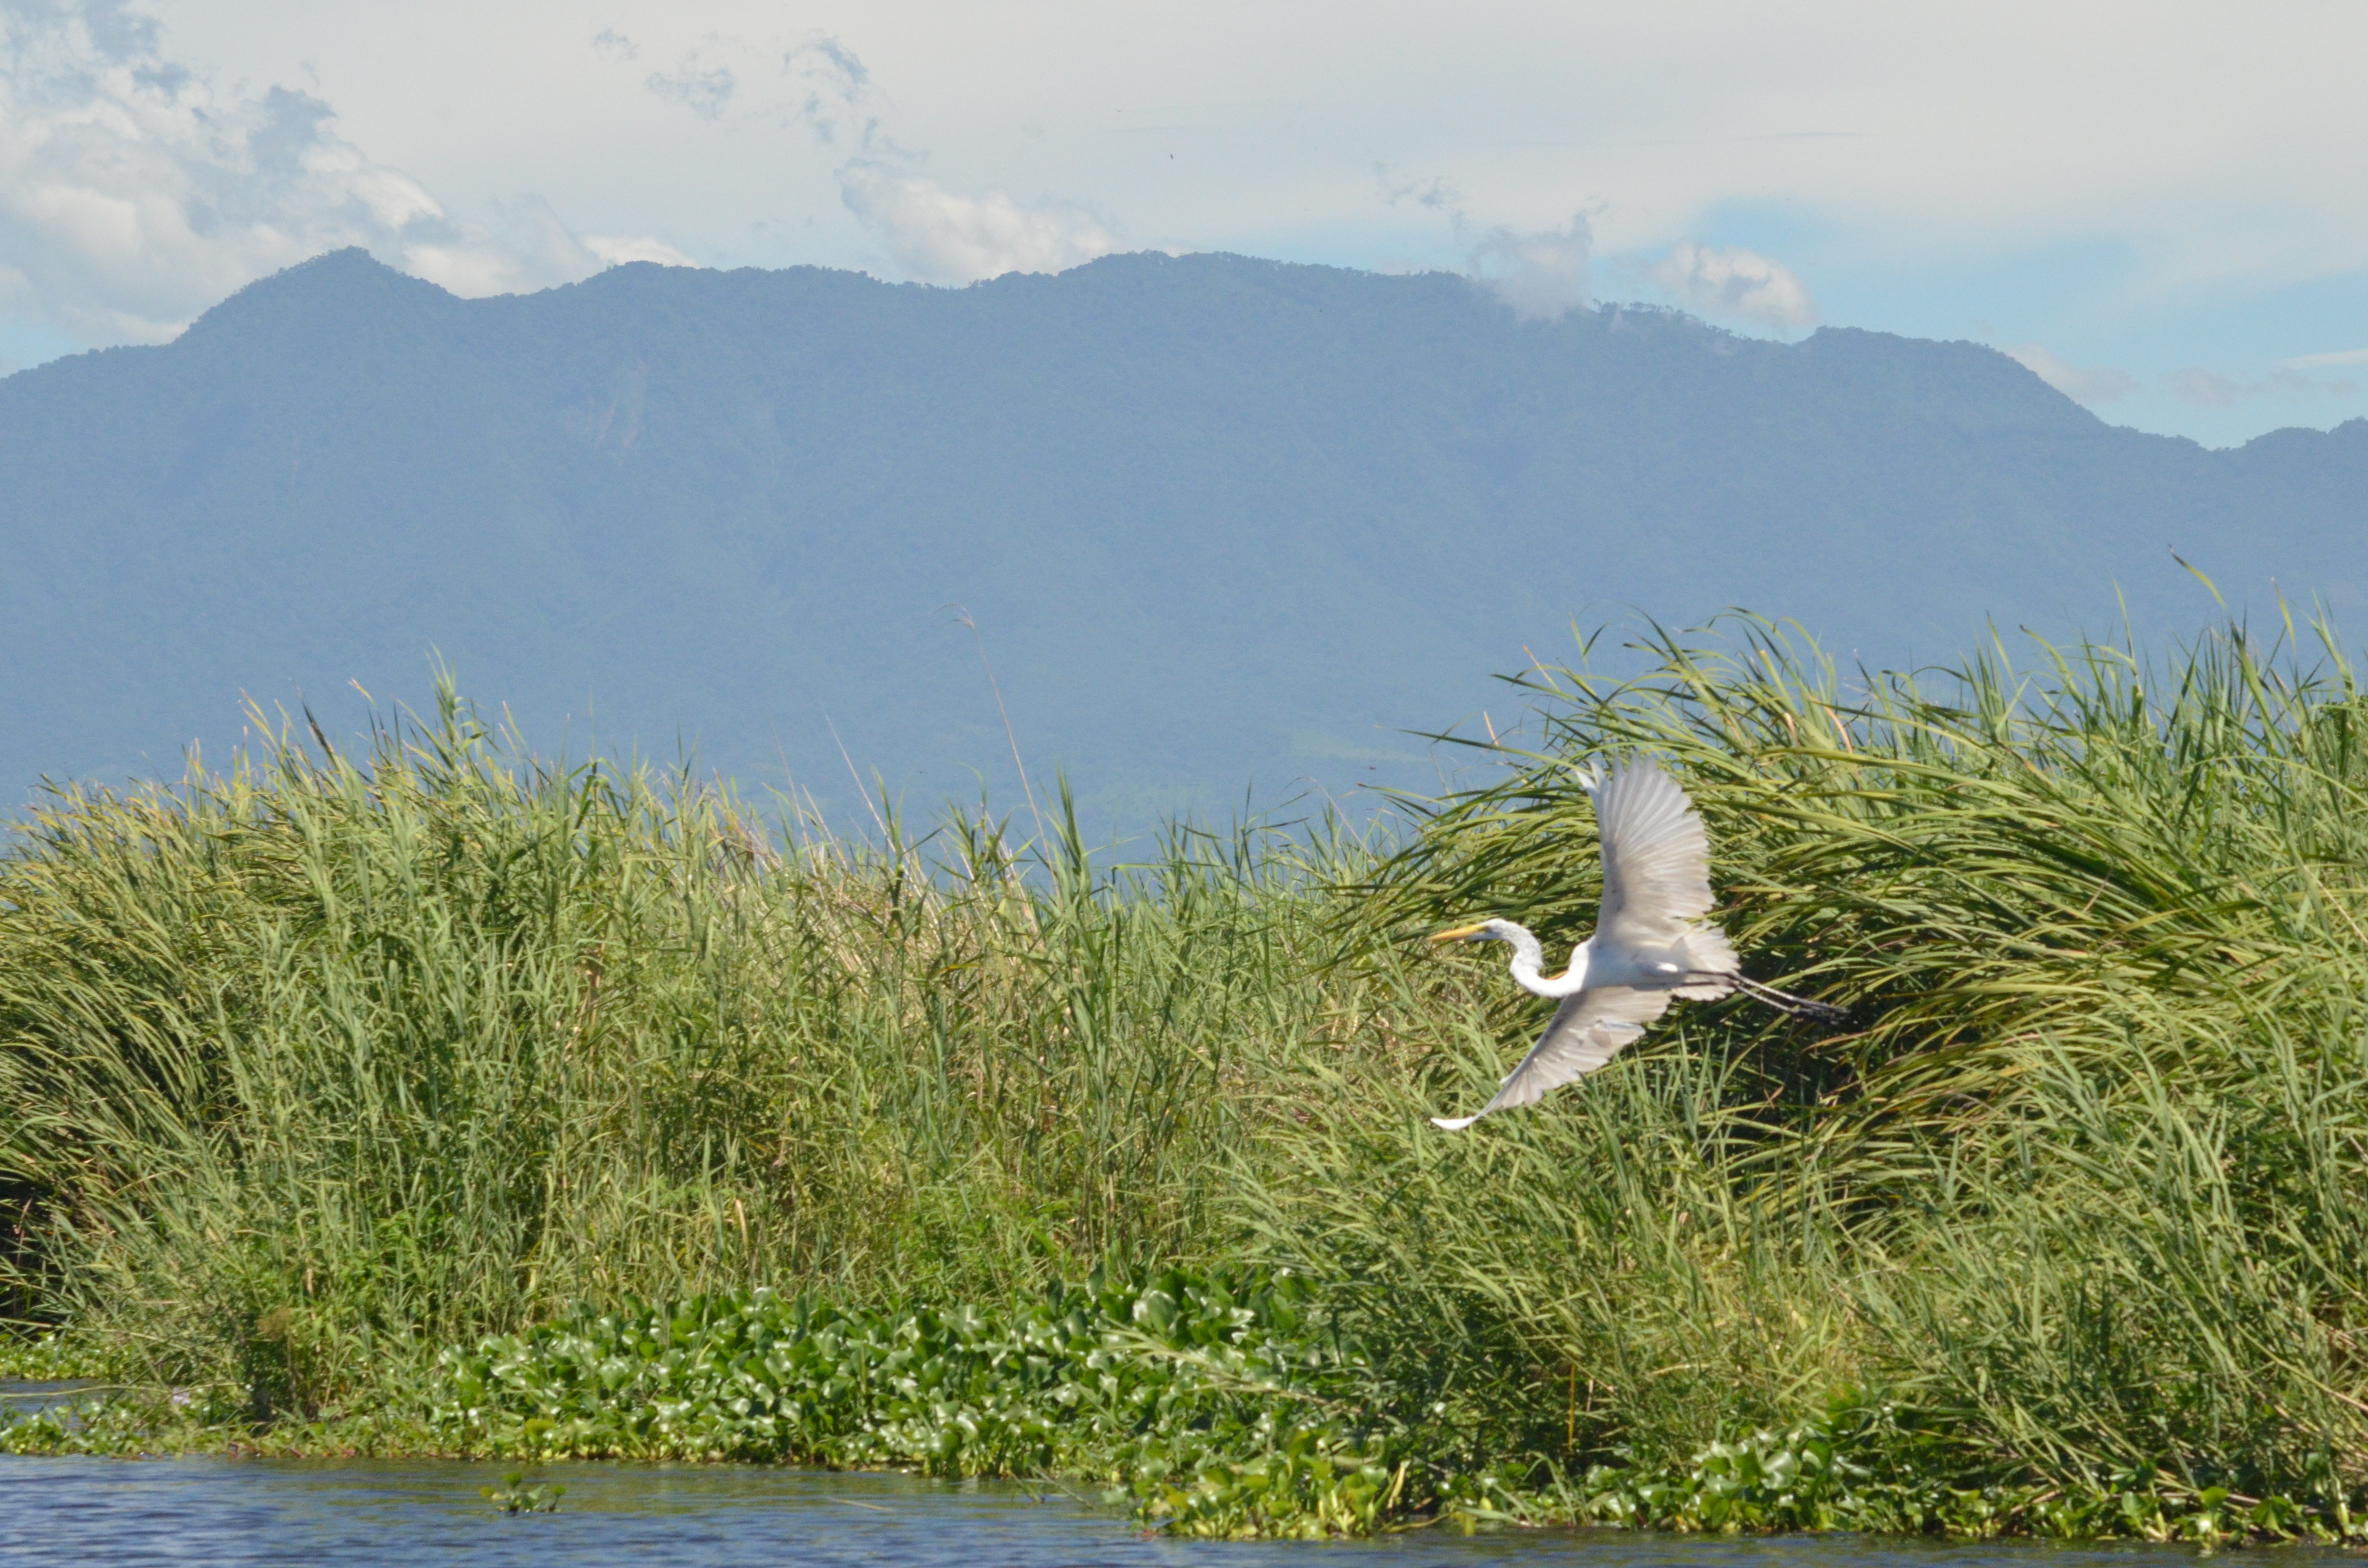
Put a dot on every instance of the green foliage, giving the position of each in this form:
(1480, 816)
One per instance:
(1870, 1465)
(1218, 1404)
(1146, 1375)
(318, 1072)
(2078, 1179)
(46, 1357)
(315, 1068)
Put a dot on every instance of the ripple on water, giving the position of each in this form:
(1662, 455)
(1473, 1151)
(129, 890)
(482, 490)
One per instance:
(258, 1511)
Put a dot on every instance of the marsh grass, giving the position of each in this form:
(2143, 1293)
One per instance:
(2083, 1177)
(322, 1066)
(317, 1066)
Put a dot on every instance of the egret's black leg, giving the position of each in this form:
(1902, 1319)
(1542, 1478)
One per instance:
(1799, 1007)
(1783, 1001)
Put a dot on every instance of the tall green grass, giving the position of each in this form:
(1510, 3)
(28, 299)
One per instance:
(314, 1067)
(310, 1070)
(2085, 1176)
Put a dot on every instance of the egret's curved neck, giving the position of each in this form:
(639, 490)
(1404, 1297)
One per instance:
(1529, 963)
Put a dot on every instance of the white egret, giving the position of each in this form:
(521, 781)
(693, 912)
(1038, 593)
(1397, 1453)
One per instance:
(1651, 943)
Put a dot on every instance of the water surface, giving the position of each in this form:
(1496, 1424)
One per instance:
(22, 1398)
(96, 1511)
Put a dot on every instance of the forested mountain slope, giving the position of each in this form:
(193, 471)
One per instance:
(1217, 519)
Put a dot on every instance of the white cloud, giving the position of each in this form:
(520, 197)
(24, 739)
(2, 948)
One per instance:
(818, 83)
(831, 92)
(1540, 275)
(133, 195)
(705, 90)
(1938, 154)
(524, 248)
(934, 235)
(1438, 194)
(820, 86)
(2206, 389)
(2209, 389)
(940, 236)
(1736, 283)
(617, 252)
(2089, 384)
(2288, 380)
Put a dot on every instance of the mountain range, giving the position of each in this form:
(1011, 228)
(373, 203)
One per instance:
(1216, 524)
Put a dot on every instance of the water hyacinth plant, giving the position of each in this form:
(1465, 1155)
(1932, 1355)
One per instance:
(1211, 1404)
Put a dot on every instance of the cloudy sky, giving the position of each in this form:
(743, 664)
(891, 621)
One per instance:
(2160, 208)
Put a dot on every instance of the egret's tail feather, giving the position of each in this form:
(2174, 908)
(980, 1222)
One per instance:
(1452, 1123)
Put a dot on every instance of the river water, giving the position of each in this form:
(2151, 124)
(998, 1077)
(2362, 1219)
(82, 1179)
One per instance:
(96, 1511)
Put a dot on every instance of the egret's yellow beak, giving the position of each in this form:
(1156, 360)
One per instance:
(1460, 933)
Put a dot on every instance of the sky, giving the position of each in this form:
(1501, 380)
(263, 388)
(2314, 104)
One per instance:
(2161, 208)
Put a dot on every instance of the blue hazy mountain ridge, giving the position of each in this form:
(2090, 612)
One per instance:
(1220, 521)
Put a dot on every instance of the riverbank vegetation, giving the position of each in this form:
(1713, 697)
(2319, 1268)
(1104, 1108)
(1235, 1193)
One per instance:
(434, 1099)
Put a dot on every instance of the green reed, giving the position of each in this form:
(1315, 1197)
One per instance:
(2081, 1177)
(319, 1065)
(317, 1069)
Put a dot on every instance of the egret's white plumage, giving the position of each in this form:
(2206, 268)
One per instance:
(1651, 944)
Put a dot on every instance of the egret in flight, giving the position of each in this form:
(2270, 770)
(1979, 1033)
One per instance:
(1651, 943)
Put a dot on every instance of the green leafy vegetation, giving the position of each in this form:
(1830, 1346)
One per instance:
(433, 1101)
(1226, 1405)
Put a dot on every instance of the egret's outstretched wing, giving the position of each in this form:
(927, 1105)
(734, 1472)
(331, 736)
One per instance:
(1587, 1030)
(1656, 873)
(1655, 858)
